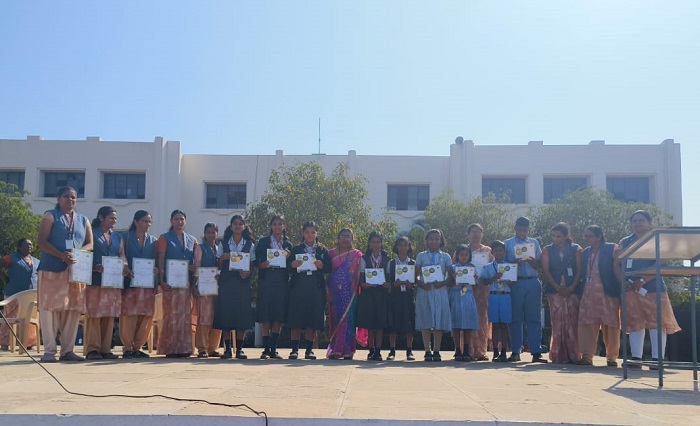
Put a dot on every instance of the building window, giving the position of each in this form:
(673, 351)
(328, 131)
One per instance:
(512, 188)
(630, 189)
(226, 196)
(55, 180)
(408, 197)
(12, 178)
(130, 186)
(556, 187)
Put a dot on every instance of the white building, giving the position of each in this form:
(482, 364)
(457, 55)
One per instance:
(158, 178)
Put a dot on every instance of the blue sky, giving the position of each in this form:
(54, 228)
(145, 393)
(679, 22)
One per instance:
(251, 77)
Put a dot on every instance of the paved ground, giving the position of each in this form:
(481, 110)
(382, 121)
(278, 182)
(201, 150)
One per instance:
(345, 392)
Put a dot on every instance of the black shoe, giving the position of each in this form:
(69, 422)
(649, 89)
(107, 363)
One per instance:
(539, 358)
(128, 355)
(265, 354)
(514, 357)
(370, 354)
(309, 355)
(428, 357)
(436, 356)
(409, 355)
(293, 355)
(240, 354)
(634, 366)
(458, 356)
(502, 357)
(275, 355)
(377, 356)
(109, 355)
(203, 355)
(467, 358)
(227, 354)
(141, 354)
(391, 356)
(93, 356)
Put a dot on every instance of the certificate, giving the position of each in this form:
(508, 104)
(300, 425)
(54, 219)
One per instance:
(207, 283)
(81, 271)
(432, 274)
(143, 272)
(509, 271)
(374, 276)
(113, 272)
(177, 273)
(465, 275)
(480, 259)
(239, 261)
(524, 251)
(277, 258)
(307, 262)
(406, 273)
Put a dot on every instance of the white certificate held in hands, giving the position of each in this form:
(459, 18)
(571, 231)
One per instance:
(465, 275)
(81, 271)
(524, 251)
(239, 261)
(406, 273)
(307, 262)
(207, 283)
(277, 258)
(177, 273)
(509, 271)
(113, 272)
(374, 276)
(143, 272)
(432, 274)
(480, 259)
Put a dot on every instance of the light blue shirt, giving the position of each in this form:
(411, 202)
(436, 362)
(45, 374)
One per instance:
(428, 258)
(524, 268)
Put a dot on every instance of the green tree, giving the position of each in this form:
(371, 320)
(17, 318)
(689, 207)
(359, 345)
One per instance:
(16, 221)
(590, 206)
(453, 217)
(334, 201)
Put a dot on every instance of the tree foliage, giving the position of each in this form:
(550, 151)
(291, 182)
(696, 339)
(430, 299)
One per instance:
(453, 217)
(334, 201)
(590, 206)
(16, 220)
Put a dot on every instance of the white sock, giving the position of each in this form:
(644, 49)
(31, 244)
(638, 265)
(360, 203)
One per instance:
(654, 345)
(637, 343)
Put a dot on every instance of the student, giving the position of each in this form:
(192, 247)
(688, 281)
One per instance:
(273, 286)
(103, 304)
(500, 311)
(373, 303)
(478, 344)
(22, 275)
(233, 309)
(61, 302)
(526, 293)
(175, 336)
(561, 265)
(207, 338)
(402, 305)
(307, 295)
(432, 302)
(462, 306)
(138, 303)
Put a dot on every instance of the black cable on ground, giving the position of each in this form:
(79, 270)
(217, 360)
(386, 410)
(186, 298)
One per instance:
(172, 398)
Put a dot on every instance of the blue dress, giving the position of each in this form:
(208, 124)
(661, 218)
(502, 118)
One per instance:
(433, 306)
(463, 307)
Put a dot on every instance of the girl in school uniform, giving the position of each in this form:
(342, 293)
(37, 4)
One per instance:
(61, 302)
(103, 304)
(462, 306)
(273, 286)
(402, 305)
(373, 303)
(207, 338)
(138, 303)
(233, 309)
(432, 301)
(175, 337)
(500, 311)
(307, 297)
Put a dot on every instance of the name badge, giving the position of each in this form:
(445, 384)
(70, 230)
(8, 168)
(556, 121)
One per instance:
(309, 273)
(629, 263)
(403, 287)
(570, 271)
(69, 244)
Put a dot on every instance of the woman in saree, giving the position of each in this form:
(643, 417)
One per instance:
(343, 286)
